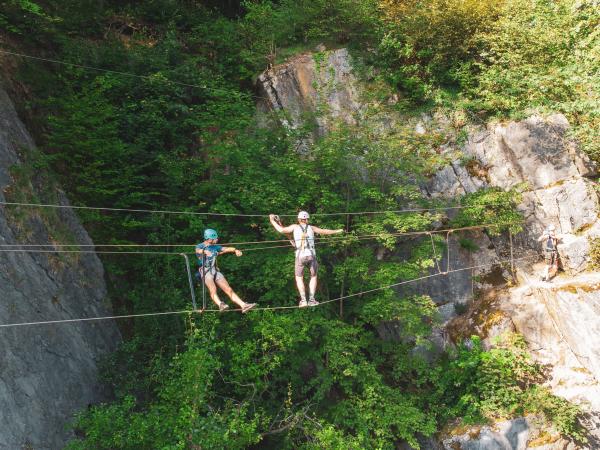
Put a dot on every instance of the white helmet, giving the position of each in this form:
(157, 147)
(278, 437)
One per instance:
(303, 215)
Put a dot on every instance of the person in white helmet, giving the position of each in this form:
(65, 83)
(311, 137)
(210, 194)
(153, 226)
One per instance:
(550, 242)
(304, 242)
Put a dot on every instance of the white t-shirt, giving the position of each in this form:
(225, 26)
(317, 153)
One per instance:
(304, 240)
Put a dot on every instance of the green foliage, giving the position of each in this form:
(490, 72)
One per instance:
(427, 42)
(468, 244)
(552, 51)
(492, 206)
(22, 17)
(298, 379)
(501, 383)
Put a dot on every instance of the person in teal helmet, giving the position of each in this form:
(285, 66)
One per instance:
(207, 253)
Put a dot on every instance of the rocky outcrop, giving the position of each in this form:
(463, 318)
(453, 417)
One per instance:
(537, 156)
(47, 372)
(560, 321)
(518, 434)
(311, 91)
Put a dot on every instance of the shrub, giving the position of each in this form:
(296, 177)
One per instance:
(426, 41)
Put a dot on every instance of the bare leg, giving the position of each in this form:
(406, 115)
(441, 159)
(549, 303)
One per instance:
(212, 290)
(552, 270)
(301, 287)
(312, 286)
(224, 285)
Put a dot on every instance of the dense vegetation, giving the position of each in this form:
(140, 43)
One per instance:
(297, 379)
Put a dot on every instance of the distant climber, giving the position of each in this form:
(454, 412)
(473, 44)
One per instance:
(304, 242)
(207, 253)
(550, 241)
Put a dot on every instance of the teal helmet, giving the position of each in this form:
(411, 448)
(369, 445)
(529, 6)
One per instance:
(209, 233)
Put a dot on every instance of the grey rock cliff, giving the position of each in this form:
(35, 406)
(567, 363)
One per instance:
(559, 320)
(517, 434)
(47, 372)
(312, 90)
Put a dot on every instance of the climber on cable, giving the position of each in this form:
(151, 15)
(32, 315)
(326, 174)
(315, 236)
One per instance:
(207, 253)
(303, 239)
(550, 242)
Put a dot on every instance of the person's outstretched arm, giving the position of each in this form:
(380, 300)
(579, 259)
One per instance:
(325, 231)
(231, 250)
(281, 229)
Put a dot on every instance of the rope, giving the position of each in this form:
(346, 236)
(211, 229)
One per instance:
(152, 211)
(101, 252)
(324, 240)
(448, 249)
(195, 213)
(268, 308)
(435, 258)
(512, 262)
(116, 72)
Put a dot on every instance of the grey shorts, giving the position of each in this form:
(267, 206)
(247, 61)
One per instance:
(306, 261)
(212, 275)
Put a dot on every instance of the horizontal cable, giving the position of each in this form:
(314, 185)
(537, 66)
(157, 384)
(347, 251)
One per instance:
(196, 213)
(267, 308)
(116, 72)
(322, 240)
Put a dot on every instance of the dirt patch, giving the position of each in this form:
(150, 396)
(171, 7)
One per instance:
(544, 438)
(482, 314)
(577, 288)
(495, 277)
(477, 170)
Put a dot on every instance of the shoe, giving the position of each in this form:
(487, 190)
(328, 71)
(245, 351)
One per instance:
(247, 307)
(543, 278)
(223, 306)
(302, 304)
(312, 302)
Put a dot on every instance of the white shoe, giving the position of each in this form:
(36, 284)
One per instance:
(302, 304)
(312, 302)
(247, 307)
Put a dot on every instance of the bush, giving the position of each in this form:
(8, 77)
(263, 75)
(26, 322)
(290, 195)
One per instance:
(426, 42)
(501, 383)
(544, 56)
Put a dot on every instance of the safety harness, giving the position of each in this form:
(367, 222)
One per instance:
(213, 269)
(551, 248)
(305, 243)
(550, 245)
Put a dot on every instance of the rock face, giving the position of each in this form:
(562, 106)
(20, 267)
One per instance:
(560, 321)
(517, 434)
(47, 372)
(536, 155)
(311, 90)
